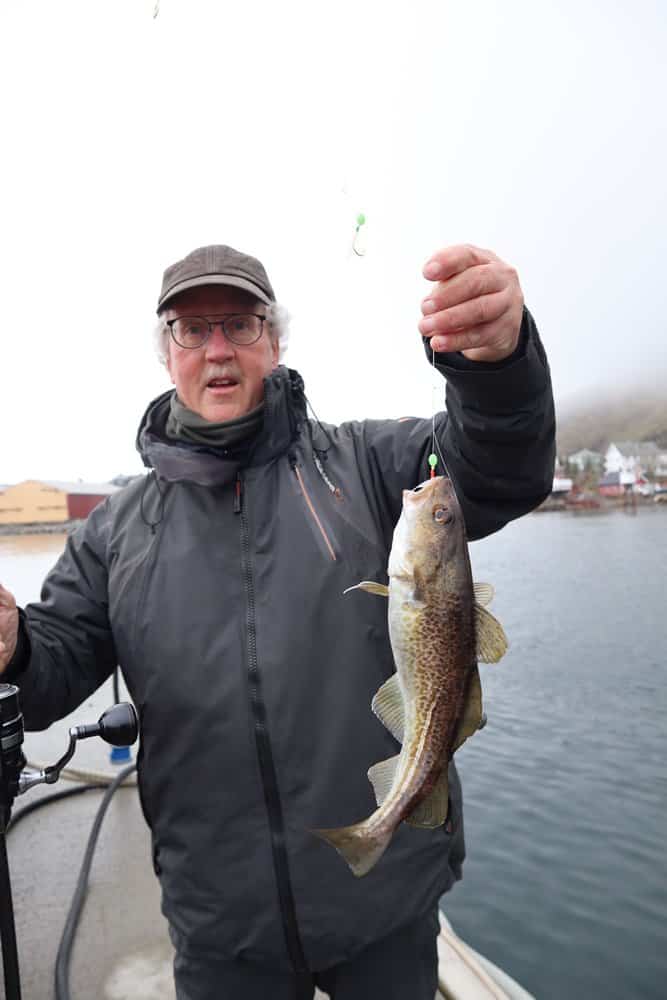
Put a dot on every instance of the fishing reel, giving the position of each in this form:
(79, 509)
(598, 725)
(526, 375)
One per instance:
(118, 726)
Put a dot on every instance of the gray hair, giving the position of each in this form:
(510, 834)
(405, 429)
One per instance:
(277, 317)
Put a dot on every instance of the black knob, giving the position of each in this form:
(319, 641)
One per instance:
(119, 725)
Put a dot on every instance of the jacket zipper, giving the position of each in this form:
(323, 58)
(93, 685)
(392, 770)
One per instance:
(312, 510)
(265, 756)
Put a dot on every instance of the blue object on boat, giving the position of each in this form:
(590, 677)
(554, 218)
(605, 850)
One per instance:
(120, 755)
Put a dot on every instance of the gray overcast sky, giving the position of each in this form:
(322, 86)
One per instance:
(531, 127)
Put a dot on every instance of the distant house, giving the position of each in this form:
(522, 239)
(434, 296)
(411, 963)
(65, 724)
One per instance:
(586, 459)
(634, 457)
(611, 485)
(50, 502)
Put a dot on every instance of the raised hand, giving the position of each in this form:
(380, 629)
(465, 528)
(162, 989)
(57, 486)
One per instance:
(475, 305)
(9, 627)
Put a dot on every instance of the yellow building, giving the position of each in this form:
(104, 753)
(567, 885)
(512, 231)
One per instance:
(38, 502)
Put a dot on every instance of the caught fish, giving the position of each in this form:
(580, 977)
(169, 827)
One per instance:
(439, 628)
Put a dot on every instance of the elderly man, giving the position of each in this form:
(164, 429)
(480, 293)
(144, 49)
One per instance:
(215, 582)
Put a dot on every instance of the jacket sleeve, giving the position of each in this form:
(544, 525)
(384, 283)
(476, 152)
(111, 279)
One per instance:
(65, 648)
(497, 437)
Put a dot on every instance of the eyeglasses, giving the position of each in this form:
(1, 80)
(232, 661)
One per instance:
(193, 331)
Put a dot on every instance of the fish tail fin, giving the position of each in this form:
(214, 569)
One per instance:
(360, 848)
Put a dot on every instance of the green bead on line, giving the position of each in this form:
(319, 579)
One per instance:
(432, 460)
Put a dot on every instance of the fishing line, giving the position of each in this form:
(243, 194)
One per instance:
(435, 444)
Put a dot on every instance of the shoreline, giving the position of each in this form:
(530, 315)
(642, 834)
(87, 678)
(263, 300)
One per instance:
(597, 505)
(41, 528)
(602, 505)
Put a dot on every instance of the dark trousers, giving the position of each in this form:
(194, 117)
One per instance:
(403, 966)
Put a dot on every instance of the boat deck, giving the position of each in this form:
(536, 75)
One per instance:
(121, 949)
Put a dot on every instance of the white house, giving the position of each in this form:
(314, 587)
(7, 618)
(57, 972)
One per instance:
(632, 457)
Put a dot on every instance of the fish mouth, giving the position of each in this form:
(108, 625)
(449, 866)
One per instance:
(420, 487)
(421, 490)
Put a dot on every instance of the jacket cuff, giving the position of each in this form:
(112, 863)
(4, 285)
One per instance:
(499, 385)
(21, 658)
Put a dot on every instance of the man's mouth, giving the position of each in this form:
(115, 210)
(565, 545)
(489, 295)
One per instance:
(220, 384)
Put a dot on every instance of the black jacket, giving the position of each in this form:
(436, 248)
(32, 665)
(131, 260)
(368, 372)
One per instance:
(217, 584)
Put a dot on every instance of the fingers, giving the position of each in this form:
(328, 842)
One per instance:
(487, 342)
(475, 305)
(9, 620)
(468, 314)
(482, 279)
(7, 599)
(453, 260)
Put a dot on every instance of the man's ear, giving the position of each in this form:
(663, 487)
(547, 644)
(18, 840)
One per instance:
(168, 366)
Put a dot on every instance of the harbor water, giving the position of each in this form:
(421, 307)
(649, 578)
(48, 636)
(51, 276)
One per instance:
(565, 883)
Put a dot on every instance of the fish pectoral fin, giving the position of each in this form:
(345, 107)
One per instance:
(483, 593)
(388, 706)
(472, 718)
(381, 589)
(381, 777)
(432, 811)
(491, 638)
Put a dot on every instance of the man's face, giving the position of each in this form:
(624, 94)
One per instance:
(243, 368)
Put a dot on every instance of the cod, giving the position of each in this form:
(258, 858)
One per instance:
(439, 628)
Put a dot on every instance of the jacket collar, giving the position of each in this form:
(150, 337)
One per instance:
(174, 461)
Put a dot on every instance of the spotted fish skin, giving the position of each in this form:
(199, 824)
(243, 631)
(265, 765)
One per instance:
(432, 632)
(433, 702)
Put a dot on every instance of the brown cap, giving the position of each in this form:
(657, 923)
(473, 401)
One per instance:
(216, 265)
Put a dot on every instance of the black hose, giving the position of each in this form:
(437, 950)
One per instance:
(46, 799)
(67, 940)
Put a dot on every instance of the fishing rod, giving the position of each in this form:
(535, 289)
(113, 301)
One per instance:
(118, 726)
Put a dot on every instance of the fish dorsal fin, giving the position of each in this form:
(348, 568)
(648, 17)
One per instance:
(381, 589)
(491, 638)
(381, 777)
(471, 720)
(483, 593)
(388, 706)
(432, 811)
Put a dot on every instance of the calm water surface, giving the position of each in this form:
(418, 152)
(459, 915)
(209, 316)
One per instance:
(565, 885)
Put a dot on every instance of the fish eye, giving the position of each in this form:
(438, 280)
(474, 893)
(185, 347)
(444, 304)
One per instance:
(441, 515)
(419, 488)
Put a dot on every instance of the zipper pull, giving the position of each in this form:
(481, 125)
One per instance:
(237, 494)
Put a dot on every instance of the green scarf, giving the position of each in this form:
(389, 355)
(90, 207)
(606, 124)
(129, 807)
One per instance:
(185, 425)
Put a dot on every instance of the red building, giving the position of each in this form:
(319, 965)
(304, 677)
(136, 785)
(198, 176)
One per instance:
(610, 485)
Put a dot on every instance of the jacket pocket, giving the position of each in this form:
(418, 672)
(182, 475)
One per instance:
(312, 513)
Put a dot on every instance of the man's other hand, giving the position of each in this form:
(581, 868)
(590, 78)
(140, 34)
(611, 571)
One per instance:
(475, 305)
(9, 627)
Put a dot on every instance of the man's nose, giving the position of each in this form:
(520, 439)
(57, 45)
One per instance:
(217, 345)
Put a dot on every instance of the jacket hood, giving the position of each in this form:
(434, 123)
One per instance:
(284, 412)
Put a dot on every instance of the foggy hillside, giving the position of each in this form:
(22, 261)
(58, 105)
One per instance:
(632, 414)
